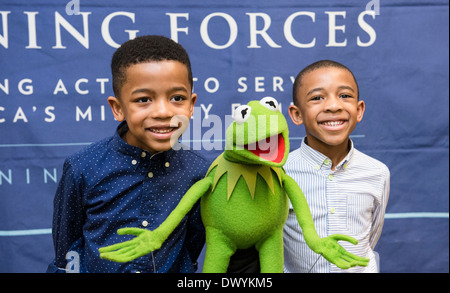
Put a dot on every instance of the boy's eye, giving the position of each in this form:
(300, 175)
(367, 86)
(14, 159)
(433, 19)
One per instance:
(178, 98)
(143, 100)
(344, 96)
(316, 98)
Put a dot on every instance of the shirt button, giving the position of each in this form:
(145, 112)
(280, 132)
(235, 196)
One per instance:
(167, 164)
(134, 162)
(150, 175)
(143, 154)
(332, 210)
(327, 162)
(330, 177)
(144, 223)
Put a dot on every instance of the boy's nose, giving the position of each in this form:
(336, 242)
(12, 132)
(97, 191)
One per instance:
(333, 104)
(162, 109)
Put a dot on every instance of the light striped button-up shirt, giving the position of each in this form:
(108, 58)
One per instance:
(350, 200)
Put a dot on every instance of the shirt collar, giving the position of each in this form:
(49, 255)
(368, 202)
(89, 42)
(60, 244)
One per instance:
(319, 160)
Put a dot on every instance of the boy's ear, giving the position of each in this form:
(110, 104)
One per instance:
(295, 114)
(116, 108)
(360, 110)
(193, 100)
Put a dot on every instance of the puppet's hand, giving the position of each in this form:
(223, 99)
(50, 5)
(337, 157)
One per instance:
(144, 243)
(332, 251)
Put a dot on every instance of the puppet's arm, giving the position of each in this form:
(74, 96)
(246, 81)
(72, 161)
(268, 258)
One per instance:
(148, 241)
(328, 247)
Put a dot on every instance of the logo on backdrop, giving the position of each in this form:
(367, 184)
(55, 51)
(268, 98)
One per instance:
(72, 27)
(179, 25)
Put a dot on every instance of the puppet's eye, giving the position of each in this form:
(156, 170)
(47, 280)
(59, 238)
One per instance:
(270, 103)
(242, 113)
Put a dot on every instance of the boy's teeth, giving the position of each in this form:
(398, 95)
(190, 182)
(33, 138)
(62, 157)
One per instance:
(333, 123)
(159, 130)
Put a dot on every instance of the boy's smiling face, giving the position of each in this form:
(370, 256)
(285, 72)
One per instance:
(154, 92)
(328, 106)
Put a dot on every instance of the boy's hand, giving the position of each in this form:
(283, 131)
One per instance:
(332, 251)
(144, 243)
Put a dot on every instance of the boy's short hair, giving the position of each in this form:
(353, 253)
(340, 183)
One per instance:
(146, 49)
(314, 66)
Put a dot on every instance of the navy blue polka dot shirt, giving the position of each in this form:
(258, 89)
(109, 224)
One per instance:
(111, 185)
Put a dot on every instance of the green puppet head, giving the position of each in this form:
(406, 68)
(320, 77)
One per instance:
(258, 135)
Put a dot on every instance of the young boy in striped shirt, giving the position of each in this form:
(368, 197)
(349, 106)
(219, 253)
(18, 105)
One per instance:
(347, 191)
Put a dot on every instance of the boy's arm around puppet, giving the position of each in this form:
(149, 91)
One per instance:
(148, 241)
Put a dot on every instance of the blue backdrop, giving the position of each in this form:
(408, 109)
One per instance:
(55, 78)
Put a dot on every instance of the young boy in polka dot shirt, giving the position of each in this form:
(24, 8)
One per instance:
(136, 177)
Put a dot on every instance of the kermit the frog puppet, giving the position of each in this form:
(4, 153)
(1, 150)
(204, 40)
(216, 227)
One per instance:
(244, 200)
